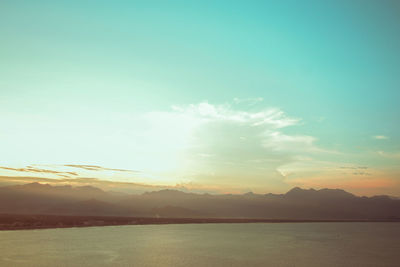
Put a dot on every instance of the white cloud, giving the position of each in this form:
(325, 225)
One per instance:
(282, 142)
(272, 117)
(249, 145)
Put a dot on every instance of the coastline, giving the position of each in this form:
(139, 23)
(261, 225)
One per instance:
(39, 221)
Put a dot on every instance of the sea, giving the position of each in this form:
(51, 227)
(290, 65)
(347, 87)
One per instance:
(247, 244)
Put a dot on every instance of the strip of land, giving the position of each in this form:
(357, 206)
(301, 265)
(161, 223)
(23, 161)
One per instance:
(22, 222)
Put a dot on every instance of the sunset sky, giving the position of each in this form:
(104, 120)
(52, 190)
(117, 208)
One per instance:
(218, 97)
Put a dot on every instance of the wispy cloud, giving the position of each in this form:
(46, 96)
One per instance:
(96, 168)
(54, 171)
(30, 169)
(389, 155)
(354, 167)
(272, 117)
(362, 173)
(250, 101)
(380, 137)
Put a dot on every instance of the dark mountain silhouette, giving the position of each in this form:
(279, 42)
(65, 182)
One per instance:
(296, 204)
(298, 193)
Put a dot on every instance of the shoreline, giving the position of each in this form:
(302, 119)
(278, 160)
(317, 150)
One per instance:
(9, 222)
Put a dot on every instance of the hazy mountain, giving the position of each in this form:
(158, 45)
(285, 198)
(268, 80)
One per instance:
(297, 203)
(46, 199)
(66, 191)
(90, 207)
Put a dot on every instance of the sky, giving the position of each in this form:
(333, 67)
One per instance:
(216, 96)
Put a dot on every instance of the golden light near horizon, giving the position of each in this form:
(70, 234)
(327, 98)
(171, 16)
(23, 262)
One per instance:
(198, 145)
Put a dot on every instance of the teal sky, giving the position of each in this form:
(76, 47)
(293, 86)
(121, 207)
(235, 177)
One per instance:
(80, 82)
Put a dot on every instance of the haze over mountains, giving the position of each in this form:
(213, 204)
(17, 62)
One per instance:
(329, 204)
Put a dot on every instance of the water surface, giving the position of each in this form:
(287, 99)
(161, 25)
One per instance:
(252, 244)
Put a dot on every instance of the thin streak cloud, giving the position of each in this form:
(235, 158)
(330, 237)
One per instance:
(380, 137)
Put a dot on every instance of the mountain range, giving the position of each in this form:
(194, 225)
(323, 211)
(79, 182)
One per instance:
(296, 204)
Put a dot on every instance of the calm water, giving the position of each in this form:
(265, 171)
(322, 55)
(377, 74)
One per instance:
(285, 244)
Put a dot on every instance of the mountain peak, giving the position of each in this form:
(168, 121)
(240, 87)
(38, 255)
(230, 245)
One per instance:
(298, 192)
(294, 189)
(335, 192)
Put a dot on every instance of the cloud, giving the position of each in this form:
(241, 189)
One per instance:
(271, 117)
(55, 171)
(362, 173)
(389, 155)
(250, 101)
(242, 145)
(31, 169)
(96, 168)
(380, 137)
(354, 167)
(281, 142)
